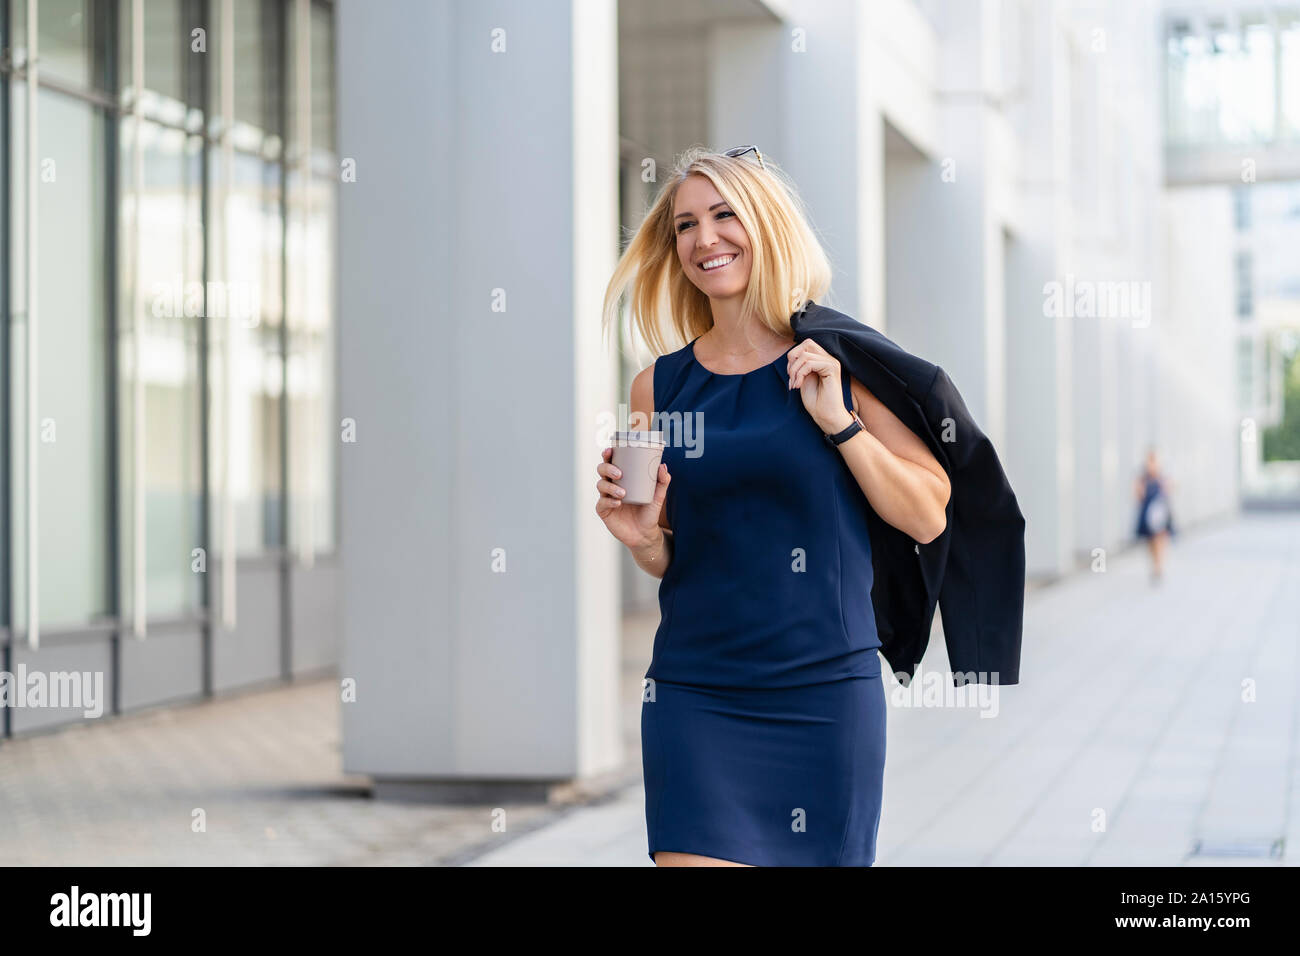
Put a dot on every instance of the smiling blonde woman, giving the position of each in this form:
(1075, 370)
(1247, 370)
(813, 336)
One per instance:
(763, 725)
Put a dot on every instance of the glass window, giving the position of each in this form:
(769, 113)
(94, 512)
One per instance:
(1245, 285)
(1221, 81)
(258, 29)
(1246, 373)
(1241, 208)
(322, 81)
(1289, 44)
(72, 416)
(258, 58)
(250, 263)
(173, 69)
(313, 419)
(254, 238)
(5, 294)
(313, 416)
(170, 314)
(247, 309)
(321, 52)
(74, 40)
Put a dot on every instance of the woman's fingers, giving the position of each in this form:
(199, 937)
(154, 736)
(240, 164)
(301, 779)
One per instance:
(609, 489)
(610, 494)
(661, 484)
(809, 363)
(799, 365)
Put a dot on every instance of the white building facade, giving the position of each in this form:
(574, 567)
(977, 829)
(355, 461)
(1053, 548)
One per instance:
(987, 176)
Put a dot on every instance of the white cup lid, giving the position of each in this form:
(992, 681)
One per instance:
(650, 437)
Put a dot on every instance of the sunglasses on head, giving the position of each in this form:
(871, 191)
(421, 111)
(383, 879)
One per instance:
(742, 150)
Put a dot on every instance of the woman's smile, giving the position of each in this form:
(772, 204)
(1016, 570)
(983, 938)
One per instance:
(714, 263)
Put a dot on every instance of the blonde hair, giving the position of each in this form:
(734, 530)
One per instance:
(789, 265)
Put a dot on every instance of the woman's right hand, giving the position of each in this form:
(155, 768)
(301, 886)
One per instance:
(634, 525)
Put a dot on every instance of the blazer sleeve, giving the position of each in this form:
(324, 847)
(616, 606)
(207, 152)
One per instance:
(982, 594)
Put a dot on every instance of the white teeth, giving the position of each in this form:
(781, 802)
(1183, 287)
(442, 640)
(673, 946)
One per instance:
(715, 263)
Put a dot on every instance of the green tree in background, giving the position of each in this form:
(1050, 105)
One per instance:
(1282, 441)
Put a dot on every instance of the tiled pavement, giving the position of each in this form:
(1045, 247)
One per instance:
(1126, 742)
(263, 767)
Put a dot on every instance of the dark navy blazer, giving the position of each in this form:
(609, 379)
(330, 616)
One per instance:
(975, 569)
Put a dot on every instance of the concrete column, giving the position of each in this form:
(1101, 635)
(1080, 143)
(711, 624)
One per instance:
(480, 591)
(945, 243)
(749, 62)
(1039, 454)
(801, 88)
(847, 91)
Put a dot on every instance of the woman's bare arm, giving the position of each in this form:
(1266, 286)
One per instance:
(901, 478)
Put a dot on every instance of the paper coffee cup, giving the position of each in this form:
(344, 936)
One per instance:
(637, 456)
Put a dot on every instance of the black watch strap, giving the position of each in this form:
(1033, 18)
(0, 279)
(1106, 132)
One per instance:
(842, 436)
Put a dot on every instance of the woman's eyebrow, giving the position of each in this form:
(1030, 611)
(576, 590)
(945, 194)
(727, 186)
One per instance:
(711, 208)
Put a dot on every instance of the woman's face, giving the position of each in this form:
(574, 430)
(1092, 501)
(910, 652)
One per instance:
(709, 234)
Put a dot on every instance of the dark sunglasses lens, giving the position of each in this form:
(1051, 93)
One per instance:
(742, 150)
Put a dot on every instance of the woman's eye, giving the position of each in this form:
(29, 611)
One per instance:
(686, 223)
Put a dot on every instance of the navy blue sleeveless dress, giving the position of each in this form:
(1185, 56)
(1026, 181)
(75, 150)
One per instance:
(1154, 515)
(763, 715)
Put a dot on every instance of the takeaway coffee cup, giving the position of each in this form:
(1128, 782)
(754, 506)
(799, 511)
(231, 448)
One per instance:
(636, 455)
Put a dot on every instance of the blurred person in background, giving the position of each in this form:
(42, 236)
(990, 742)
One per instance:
(1155, 518)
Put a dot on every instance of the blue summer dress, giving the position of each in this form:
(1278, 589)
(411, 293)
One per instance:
(1154, 514)
(763, 717)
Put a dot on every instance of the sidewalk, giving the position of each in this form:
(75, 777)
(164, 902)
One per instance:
(1127, 742)
(262, 767)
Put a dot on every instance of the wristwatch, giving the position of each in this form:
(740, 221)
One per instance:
(842, 436)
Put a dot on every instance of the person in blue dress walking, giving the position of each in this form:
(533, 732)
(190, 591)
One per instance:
(763, 715)
(1155, 519)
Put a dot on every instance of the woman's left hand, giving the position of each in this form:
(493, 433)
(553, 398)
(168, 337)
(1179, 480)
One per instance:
(816, 373)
